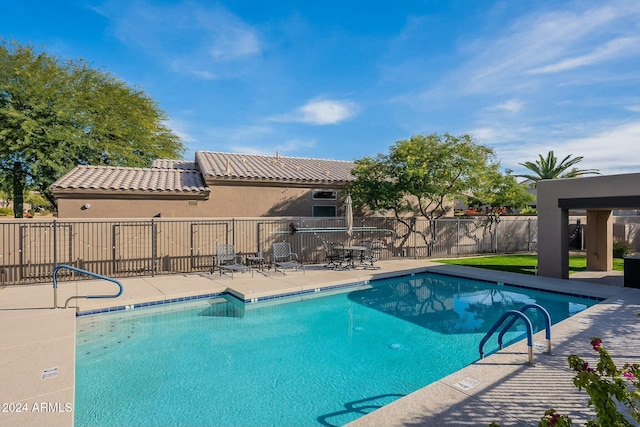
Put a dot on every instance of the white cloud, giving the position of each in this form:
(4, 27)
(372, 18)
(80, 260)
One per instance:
(326, 112)
(294, 145)
(484, 134)
(500, 134)
(235, 135)
(321, 112)
(291, 146)
(562, 71)
(183, 66)
(567, 37)
(611, 50)
(191, 38)
(512, 106)
(605, 147)
(543, 43)
(233, 41)
(180, 128)
(610, 150)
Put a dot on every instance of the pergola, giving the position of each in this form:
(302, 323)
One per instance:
(597, 195)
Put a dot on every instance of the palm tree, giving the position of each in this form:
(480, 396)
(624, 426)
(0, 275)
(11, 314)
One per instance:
(549, 168)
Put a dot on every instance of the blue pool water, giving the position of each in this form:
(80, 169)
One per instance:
(320, 361)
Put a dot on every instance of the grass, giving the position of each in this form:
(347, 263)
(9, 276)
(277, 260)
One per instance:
(523, 264)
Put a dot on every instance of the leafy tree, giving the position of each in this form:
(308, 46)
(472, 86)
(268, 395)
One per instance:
(56, 114)
(502, 193)
(6, 190)
(422, 176)
(549, 168)
(36, 200)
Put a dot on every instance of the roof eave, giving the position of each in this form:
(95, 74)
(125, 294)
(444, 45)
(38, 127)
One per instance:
(78, 193)
(276, 182)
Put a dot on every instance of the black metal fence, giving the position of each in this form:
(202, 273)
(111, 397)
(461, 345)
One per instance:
(30, 249)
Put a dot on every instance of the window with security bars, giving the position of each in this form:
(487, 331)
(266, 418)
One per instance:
(325, 195)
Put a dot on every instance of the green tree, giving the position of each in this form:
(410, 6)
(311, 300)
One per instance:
(6, 190)
(501, 193)
(56, 114)
(422, 176)
(549, 168)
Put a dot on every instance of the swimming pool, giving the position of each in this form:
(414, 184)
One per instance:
(316, 361)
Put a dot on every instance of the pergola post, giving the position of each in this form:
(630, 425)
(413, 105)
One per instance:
(599, 243)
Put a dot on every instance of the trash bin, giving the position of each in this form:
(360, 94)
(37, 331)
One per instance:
(632, 271)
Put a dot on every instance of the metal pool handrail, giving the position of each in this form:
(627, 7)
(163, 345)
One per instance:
(547, 324)
(88, 273)
(510, 313)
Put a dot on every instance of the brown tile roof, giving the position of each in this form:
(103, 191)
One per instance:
(217, 166)
(132, 179)
(174, 164)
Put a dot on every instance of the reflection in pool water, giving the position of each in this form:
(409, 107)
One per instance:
(320, 361)
(452, 305)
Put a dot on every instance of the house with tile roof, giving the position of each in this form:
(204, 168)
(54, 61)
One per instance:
(215, 184)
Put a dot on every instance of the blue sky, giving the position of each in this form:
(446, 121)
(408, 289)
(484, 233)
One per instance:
(347, 79)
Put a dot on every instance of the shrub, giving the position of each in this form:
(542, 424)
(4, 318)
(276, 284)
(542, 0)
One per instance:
(6, 212)
(613, 392)
(610, 389)
(528, 210)
(622, 248)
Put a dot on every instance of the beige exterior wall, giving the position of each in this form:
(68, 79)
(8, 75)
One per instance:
(131, 207)
(260, 201)
(599, 235)
(627, 228)
(598, 195)
(223, 201)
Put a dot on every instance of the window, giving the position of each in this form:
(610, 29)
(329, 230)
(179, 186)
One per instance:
(324, 211)
(325, 195)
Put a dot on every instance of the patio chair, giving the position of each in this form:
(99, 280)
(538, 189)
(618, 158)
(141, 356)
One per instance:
(372, 254)
(284, 259)
(227, 261)
(334, 254)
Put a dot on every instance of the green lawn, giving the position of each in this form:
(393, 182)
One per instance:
(524, 264)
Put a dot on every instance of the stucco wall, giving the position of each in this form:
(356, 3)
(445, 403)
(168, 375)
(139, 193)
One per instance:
(627, 228)
(223, 201)
(584, 193)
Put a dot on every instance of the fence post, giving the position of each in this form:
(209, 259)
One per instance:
(415, 239)
(55, 245)
(154, 248)
(258, 231)
(233, 232)
(458, 237)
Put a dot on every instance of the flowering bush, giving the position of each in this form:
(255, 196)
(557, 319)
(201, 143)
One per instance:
(552, 418)
(608, 387)
(610, 390)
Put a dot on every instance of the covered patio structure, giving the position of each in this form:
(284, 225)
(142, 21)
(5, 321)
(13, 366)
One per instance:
(598, 196)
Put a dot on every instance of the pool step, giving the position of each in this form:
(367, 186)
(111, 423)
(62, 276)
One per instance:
(223, 307)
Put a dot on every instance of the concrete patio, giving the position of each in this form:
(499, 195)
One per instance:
(38, 360)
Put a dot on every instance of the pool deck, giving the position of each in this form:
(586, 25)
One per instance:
(38, 359)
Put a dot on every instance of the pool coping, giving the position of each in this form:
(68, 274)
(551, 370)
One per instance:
(28, 308)
(320, 290)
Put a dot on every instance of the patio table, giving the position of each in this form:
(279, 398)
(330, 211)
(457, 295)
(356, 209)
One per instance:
(256, 259)
(351, 250)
